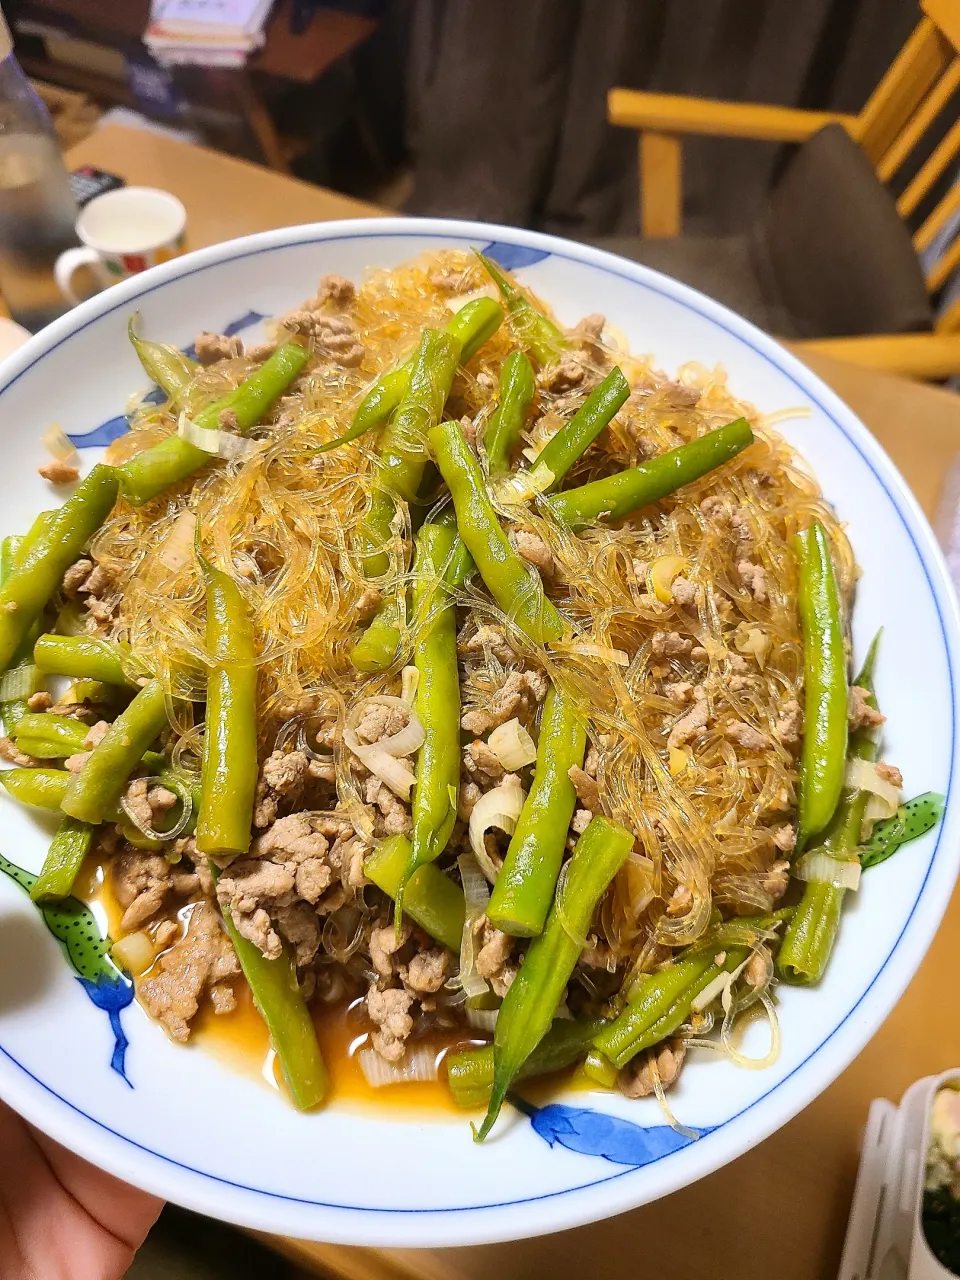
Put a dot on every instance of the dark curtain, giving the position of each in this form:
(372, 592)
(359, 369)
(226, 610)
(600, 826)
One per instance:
(508, 98)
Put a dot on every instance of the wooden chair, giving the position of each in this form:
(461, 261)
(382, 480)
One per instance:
(909, 99)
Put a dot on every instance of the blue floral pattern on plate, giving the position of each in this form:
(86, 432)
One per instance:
(72, 924)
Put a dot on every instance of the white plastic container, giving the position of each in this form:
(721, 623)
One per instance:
(885, 1238)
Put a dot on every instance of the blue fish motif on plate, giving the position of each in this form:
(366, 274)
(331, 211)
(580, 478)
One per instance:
(72, 923)
(113, 428)
(513, 256)
(592, 1133)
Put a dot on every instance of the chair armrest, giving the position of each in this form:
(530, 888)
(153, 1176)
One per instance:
(925, 356)
(673, 113)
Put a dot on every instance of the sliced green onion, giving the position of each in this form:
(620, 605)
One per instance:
(20, 682)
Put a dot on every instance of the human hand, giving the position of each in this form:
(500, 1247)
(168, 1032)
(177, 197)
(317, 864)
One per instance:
(60, 1218)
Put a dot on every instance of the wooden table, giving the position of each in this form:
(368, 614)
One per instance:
(782, 1208)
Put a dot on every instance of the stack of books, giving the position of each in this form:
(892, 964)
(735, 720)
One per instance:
(210, 33)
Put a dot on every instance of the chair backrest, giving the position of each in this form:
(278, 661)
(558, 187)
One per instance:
(922, 81)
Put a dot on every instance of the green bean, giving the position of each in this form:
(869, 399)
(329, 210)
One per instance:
(516, 588)
(823, 755)
(399, 474)
(148, 473)
(97, 788)
(437, 703)
(230, 770)
(47, 555)
(598, 1068)
(472, 326)
(22, 678)
(435, 795)
(42, 788)
(96, 693)
(470, 1072)
(402, 455)
(535, 330)
(664, 1003)
(518, 386)
(377, 647)
(64, 735)
(618, 495)
(524, 889)
(460, 566)
(169, 367)
(279, 1000)
(573, 440)
(810, 937)
(82, 657)
(430, 898)
(64, 859)
(531, 1002)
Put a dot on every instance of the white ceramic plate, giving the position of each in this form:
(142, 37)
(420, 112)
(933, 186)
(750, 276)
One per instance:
(182, 1125)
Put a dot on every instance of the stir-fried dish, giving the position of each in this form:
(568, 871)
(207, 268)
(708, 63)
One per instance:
(437, 662)
(940, 1210)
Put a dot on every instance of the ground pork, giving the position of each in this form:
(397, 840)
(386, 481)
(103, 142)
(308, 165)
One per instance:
(282, 778)
(746, 736)
(785, 838)
(486, 640)
(145, 803)
(335, 335)
(680, 396)
(682, 592)
(393, 817)
(10, 752)
(518, 693)
(384, 946)
(212, 347)
(369, 603)
(381, 721)
(636, 1078)
(859, 713)
(581, 820)
(777, 877)
(562, 376)
(680, 901)
(58, 472)
(300, 925)
(534, 550)
(96, 734)
(671, 644)
(693, 722)
(245, 888)
(335, 289)
(204, 957)
(427, 971)
(493, 956)
(740, 524)
(470, 793)
(390, 1012)
(478, 758)
(75, 577)
(788, 726)
(39, 701)
(141, 883)
(586, 788)
(890, 773)
(754, 578)
(714, 508)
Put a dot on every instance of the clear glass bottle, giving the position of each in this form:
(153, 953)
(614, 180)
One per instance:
(37, 207)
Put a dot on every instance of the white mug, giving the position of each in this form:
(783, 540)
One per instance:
(123, 232)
